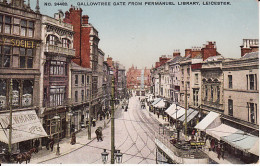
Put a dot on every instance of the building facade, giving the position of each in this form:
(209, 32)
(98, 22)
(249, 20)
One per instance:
(57, 43)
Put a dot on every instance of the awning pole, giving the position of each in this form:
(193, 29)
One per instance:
(10, 120)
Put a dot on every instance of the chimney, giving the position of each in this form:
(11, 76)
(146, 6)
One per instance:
(209, 50)
(249, 45)
(176, 53)
(85, 19)
(187, 52)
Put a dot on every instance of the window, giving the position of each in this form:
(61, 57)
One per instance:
(58, 68)
(16, 26)
(82, 79)
(6, 56)
(3, 97)
(8, 25)
(31, 29)
(27, 93)
(230, 107)
(251, 81)
(252, 112)
(52, 40)
(76, 80)
(188, 71)
(87, 92)
(57, 95)
(206, 92)
(23, 27)
(82, 95)
(182, 71)
(195, 97)
(66, 43)
(87, 79)
(212, 92)
(196, 78)
(76, 96)
(230, 81)
(218, 94)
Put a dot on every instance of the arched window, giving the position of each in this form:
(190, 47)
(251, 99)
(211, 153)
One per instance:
(66, 43)
(52, 40)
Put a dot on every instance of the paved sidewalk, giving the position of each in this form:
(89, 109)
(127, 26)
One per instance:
(65, 146)
(229, 159)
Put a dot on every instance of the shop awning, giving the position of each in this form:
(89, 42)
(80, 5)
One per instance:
(210, 121)
(221, 131)
(255, 149)
(241, 140)
(171, 109)
(179, 112)
(26, 126)
(191, 113)
(156, 101)
(160, 104)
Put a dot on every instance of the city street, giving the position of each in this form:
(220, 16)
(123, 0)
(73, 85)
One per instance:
(134, 137)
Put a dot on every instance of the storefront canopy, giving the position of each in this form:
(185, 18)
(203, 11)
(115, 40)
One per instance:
(221, 131)
(160, 104)
(156, 101)
(178, 113)
(26, 125)
(210, 121)
(191, 113)
(171, 110)
(242, 141)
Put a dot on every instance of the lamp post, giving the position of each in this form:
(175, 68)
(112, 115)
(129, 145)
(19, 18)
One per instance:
(57, 118)
(112, 120)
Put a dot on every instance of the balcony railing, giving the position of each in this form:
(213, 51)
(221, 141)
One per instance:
(60, 50)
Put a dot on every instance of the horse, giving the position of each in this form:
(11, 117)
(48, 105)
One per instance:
(26, 156)
(34, 150)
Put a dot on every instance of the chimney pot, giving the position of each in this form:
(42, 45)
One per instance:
(85, 19)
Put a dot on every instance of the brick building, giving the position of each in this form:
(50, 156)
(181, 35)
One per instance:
(138, 79)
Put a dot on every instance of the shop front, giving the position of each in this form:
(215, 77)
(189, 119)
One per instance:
(26, 127)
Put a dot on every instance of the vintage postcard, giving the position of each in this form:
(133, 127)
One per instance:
(129, 81)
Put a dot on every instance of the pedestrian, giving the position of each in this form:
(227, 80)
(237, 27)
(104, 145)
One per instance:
(73, 139)
(222, 151)
(51, 144)
(97, 134)
(218, 151)
(37, 144)
(47, 143)
(94, 122)
(100, 117)
(158, 114)
(107, 115)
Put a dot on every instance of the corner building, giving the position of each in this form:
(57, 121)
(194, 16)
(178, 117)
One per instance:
(20, 48)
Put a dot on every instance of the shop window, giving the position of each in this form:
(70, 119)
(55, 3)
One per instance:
(7, 55)
(27, 93)
(16, 93)
(3, 91)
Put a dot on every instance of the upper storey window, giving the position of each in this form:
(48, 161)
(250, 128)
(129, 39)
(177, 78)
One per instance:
(52, 40)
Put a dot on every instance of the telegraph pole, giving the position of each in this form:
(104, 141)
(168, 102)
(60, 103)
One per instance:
(90, 110)
(11, 116)
(113, 122)
(186, 107)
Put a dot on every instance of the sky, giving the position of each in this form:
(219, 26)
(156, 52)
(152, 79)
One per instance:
(140, 34)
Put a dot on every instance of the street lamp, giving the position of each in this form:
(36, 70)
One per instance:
(104, 156)
(118, 157)
(57, 118)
